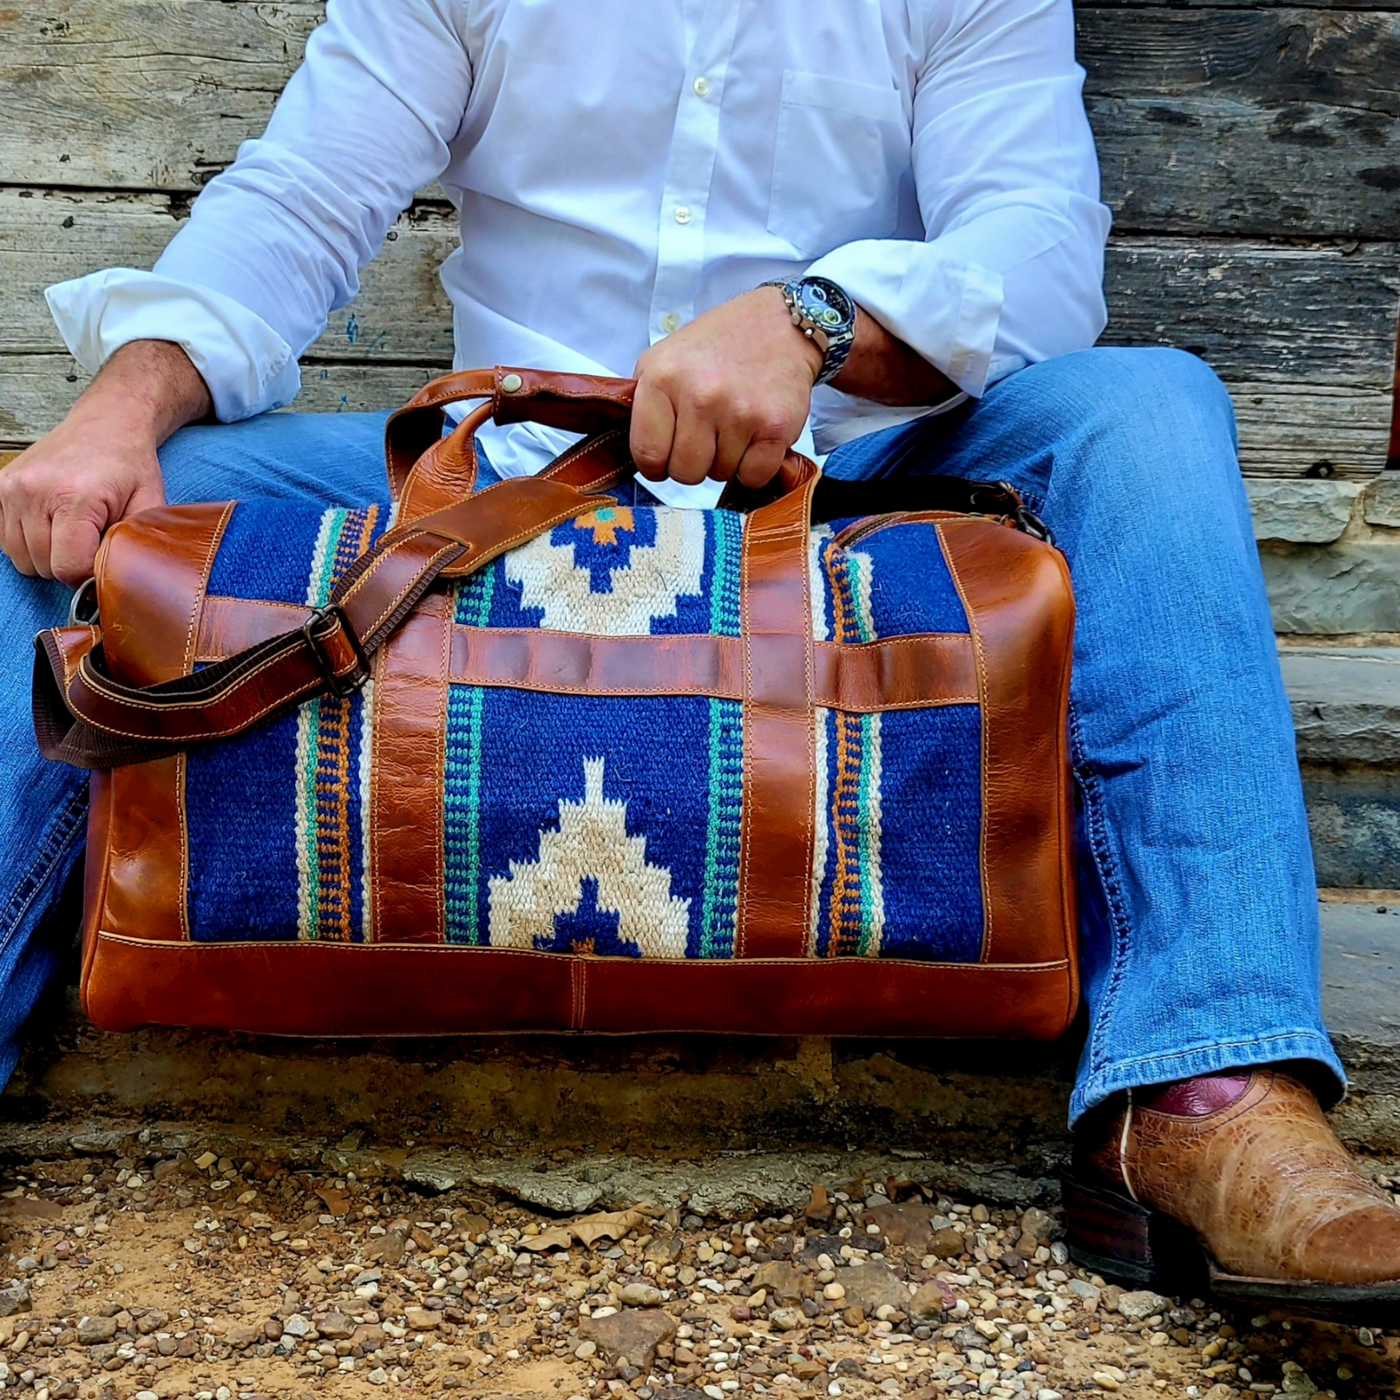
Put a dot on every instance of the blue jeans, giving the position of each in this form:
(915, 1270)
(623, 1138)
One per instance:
(1199, 932)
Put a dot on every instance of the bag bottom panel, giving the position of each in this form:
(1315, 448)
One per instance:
(398, 989)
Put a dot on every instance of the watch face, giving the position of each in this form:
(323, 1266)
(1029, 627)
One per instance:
(826, 305)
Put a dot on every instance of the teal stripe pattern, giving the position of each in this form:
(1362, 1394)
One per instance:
(462, 780)
(726, 753)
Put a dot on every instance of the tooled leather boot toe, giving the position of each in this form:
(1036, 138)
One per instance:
(1262, 1183)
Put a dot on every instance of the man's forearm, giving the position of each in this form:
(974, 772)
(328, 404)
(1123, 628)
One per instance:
(885, 369)
(147, 388)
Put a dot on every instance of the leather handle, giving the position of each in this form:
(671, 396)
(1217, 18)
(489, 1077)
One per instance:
(577, 403)
(427, 470)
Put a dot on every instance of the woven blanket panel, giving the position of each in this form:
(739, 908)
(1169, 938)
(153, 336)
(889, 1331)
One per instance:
(276, 817)
(589, 824)
(597, 824)
(271, 549)
(895, 870)
(639, 571)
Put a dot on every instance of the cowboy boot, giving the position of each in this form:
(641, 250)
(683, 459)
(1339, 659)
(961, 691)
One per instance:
(1235, 1184)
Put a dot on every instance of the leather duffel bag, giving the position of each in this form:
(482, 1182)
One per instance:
(524, 759)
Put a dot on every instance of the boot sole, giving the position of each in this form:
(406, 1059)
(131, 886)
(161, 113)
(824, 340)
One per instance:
(1112, 1235)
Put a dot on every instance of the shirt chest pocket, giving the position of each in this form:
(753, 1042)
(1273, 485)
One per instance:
(842, 149)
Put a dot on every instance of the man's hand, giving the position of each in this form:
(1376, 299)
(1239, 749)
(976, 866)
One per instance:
(726, 395)
(99, 465)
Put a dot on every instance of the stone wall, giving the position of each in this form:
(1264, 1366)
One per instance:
(1331, 554)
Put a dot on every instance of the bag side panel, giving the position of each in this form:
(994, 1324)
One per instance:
(1017, 593)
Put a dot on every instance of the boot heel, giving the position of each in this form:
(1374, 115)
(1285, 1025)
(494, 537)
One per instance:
(1109, 1233)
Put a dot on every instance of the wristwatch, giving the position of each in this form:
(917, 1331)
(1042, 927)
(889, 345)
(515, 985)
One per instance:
(825, 315)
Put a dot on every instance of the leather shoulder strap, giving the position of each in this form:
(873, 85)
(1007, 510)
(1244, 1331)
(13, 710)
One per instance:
(85, 716)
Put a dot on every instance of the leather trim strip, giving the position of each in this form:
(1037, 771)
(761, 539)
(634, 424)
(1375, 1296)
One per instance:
(377, 989)
(153, 569)
(937, 668)
(779, 774)
(408, 705)
(901, 673)
(1017, 595)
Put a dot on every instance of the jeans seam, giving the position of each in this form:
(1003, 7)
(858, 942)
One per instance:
(1300, 1032)
(56, 844)
(1107, 869)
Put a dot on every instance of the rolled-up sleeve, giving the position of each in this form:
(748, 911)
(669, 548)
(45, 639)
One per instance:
(1011, 267)
(277, 240)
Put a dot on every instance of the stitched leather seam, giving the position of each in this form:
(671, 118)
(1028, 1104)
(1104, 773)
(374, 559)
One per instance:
(976, 632)
(70, 665)
(801, 530)
(95, 683)
(407, 588)
(559, 688)
(531, 531)
(377, 666)
(184, 897)
(202, 588)
(466, 950)
(582, 449)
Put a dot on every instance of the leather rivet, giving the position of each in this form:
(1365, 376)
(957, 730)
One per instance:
(511, 383)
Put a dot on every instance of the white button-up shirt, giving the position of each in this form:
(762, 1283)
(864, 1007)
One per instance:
(622, 165)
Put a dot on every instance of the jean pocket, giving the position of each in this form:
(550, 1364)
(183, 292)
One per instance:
(842, 149)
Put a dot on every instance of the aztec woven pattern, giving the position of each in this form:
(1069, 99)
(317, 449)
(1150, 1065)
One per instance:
(599, 824)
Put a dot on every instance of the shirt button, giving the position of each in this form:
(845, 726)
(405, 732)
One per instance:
(670, 321)
(682, 213)
(701, 86)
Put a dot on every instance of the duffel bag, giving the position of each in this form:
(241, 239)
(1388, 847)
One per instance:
(525, 759)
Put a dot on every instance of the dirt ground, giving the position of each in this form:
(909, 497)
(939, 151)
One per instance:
(200, 1277)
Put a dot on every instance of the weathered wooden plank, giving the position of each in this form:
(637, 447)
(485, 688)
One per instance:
(36, 390)
(1243, 120)
(1311, 429)
(1283, 430)
(1304, 316)
(1315, 315)
(1247, 121)
(401, 313)
(143, 94)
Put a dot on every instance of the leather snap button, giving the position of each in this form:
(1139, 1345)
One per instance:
(511, 383)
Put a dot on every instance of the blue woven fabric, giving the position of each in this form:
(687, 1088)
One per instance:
(911, 588)
(276, 816)
(613, 828)
(240, 812)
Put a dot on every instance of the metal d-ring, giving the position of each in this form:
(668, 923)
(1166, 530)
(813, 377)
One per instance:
(82, 607)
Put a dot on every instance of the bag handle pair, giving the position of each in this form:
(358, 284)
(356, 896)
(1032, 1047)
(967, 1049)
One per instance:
(426, 469)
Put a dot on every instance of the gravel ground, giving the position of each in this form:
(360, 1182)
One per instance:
(200, 1277)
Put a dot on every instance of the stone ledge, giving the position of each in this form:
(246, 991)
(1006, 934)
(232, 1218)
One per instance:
(1346, 710)
(570, 1122)
(1345, 702)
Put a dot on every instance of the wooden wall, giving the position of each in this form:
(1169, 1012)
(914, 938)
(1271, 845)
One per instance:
(1251, 154)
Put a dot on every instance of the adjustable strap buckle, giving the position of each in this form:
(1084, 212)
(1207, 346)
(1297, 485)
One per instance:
(319, 628)
(1004, 500)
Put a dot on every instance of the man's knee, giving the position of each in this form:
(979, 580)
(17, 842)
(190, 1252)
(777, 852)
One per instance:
(1152, 420)
(1117, 391)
